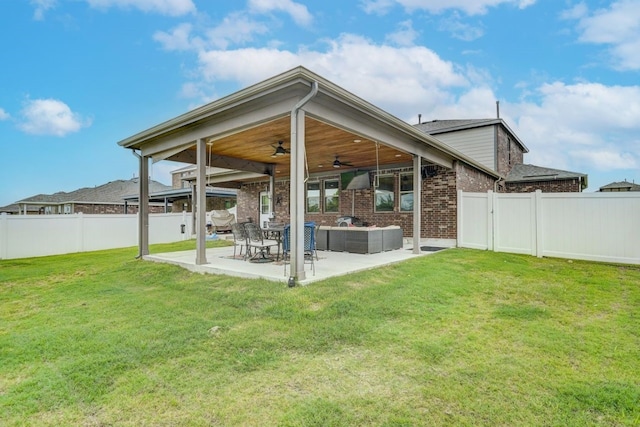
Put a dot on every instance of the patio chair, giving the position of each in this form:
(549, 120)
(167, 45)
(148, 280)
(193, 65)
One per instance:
(309, 246)
(260, 245)
(239, 239)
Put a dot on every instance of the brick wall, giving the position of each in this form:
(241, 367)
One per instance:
(557, 186)
(507, 154)
(439, 202)
(473, 180)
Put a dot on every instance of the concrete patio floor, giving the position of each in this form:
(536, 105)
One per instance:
(330, 264)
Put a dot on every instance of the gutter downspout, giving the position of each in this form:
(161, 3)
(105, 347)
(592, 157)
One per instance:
(143, 208)
(296, 190)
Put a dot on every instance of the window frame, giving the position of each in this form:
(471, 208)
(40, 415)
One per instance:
(335, 196)
(405, 192)
(392, 193)
(308, 198)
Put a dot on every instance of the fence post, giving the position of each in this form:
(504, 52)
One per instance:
(80, 228)
(490, 219)
(459, 219)
(3, 235)
(538, 241)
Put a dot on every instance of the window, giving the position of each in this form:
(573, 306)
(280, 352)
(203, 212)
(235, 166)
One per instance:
(385, 201)
(509, 150)
(331, 196)
(313, 197)
(406, 192)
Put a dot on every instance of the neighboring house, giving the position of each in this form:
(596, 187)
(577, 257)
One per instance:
(217, 197)
(181, 199)
(108, 198)
(620, 186)
(528, 178)
(492, 143)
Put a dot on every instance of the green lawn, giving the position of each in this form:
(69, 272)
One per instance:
(460, 337)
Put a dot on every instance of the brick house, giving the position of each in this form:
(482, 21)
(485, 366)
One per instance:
(620, 186)
(108, 198)
(289, 144)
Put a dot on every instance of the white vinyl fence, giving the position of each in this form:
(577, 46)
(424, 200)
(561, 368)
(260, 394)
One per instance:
(589, 226)
(23, 236)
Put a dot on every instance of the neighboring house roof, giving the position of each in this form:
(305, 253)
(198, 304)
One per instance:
(621, 186)
(181, 193)
(436, 127)
(530, 173)
(15, 208)
(112, 192)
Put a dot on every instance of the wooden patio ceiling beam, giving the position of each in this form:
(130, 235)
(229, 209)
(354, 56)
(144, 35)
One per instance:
(189, 156)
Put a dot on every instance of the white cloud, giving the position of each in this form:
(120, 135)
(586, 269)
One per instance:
(41, 6)
(470, 7)
(164, 7)
(617, 27)
(298, 12)
(418, 75)
(50, 117)
(607, 159)
(459, 29)
(404, 36)
(584, 125)
(179, 38)
(237, 28)
(581, 127)
(4, 115)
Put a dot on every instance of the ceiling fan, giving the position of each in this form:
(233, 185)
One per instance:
(279, 149)
(337, 163)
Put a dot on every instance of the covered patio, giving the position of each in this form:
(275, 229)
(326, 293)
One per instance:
(314, 121)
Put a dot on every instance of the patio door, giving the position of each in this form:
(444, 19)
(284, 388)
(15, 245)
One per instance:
(265, 209)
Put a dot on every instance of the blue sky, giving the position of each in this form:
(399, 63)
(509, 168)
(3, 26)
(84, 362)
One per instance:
(80, 75)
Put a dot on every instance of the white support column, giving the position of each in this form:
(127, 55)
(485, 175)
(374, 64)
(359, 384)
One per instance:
(296, 188)
(417, 203)
(201, 203)
(296, 195)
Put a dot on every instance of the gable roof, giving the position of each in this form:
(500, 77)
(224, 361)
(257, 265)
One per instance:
(242, 127)
(113, 192)
(621, 186)
(529, 173)
(436, 127)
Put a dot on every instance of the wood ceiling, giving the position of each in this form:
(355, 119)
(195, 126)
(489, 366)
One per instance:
(323, 143)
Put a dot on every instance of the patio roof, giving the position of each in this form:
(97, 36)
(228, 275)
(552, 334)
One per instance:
(242, 129)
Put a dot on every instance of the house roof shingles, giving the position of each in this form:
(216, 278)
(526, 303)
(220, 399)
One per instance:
(528, 173)
(113, 192)
(621, 186)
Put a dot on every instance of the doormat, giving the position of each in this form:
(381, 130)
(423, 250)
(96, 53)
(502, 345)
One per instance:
(431, 248)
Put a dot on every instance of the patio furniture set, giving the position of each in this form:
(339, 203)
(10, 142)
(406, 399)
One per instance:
(259, 243)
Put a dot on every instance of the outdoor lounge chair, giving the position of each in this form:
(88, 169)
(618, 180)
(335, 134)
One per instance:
(222, 220)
